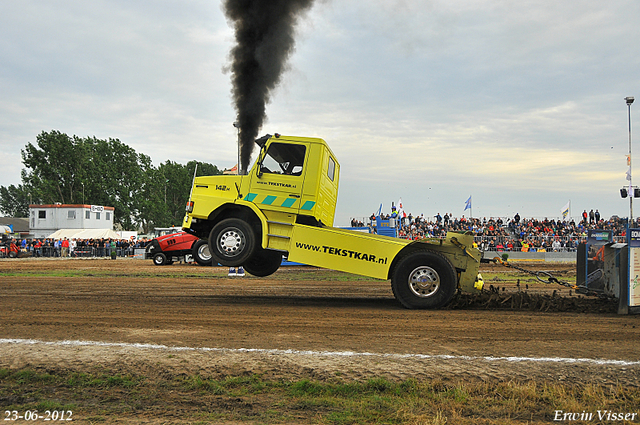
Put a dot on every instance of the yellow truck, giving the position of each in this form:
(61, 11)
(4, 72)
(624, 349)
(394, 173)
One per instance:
(285, 205)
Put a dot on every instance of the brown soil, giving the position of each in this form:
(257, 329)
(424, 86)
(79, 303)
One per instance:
(298, 323)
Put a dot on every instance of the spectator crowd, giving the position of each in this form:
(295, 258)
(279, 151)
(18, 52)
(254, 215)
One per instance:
(514, 234)
(47, 247)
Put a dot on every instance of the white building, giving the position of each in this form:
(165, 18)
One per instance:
(47, 219)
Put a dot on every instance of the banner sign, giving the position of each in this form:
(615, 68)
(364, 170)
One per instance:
(634, 267)
(599, 237)
(634, 238)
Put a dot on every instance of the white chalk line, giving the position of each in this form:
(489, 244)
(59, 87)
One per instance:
(513, 359)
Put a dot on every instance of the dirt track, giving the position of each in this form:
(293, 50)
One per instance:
(303, 323)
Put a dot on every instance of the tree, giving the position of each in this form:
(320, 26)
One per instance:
(177, 179)
(117, 176)
(14, 201)
(102, 172)
(56, 167)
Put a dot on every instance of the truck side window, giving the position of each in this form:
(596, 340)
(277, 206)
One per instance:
(284, 158)
(331, 173)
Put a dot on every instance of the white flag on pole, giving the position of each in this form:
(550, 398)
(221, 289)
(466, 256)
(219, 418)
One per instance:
(565, 210)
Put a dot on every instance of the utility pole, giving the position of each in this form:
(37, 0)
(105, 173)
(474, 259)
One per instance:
(629, 101)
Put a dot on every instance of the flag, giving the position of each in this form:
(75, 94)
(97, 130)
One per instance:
(628, 160)
(467, 205)
(232, 170)
(565, 210)
(629, 174)
(401, 212)
(379, 211)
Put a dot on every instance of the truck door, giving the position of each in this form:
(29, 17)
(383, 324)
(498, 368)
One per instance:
(278, 177)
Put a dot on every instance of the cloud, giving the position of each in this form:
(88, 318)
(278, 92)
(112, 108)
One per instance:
(518, 103)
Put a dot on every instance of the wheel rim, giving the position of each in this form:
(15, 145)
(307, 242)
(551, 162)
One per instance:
(424, 281)
(203, 252)
(231, 242)
(158, 260)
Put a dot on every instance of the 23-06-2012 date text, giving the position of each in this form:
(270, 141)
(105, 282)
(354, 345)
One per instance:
(34, 415)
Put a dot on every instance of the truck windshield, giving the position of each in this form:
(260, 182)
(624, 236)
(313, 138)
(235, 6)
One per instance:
(284, 158)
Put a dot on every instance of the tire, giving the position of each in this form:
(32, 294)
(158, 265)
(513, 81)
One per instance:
(263, 262)
(200, 252)
(231, 242)
(159, 259)
(13, 254)
(424, 280)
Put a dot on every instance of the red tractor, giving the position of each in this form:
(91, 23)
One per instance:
(168, 248)
(8, 248)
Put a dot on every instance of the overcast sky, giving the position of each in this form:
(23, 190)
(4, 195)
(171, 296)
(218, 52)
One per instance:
(519, 104)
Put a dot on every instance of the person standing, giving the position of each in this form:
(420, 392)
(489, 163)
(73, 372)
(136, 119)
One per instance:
(37, 248)
(65, 247)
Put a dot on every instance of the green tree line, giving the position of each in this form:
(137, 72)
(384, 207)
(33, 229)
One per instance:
(87, 170)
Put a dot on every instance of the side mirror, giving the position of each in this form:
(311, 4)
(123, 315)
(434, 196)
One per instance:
(259, 161)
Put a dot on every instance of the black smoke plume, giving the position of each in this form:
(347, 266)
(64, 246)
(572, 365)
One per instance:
(264, 31)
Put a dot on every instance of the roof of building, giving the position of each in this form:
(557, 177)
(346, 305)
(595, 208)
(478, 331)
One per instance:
(65, 206)
(20, 225)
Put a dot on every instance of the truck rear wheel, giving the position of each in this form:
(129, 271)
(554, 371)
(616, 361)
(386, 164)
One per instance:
(424, 279)
(263, 262)
(231, 242)
(200, 252)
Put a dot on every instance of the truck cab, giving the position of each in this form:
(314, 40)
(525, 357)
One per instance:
(295, 175)
(294, 180)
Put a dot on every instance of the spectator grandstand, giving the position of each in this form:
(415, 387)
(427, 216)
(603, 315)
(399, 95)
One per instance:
(511, 234)
(514, 234)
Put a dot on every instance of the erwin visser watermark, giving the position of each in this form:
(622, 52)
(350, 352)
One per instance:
(600, 415)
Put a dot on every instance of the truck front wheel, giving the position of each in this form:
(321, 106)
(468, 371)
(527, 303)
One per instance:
(424, 279)
(263, 262)
(231, 242)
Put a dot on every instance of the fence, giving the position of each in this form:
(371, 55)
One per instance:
(79, 252)
(567, 243)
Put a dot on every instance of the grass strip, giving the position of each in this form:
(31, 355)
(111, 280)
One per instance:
(104, 397)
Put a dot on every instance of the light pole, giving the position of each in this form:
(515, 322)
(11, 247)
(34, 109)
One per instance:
(237, 125)
(629, 101)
